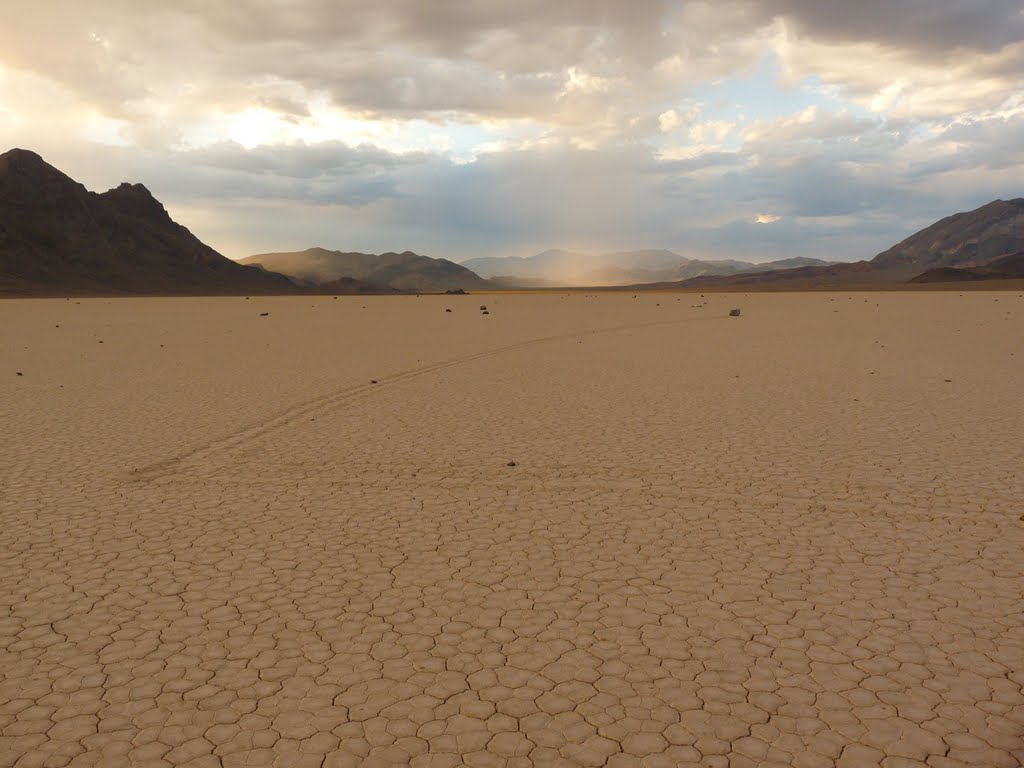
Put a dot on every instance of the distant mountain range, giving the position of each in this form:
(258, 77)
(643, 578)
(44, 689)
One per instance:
(57, 237)
(567, 268)
(320, 268)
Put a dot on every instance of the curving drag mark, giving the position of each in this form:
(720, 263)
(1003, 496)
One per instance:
(282, 419)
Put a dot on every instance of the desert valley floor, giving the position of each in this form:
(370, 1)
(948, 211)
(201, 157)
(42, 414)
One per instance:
(789, 538)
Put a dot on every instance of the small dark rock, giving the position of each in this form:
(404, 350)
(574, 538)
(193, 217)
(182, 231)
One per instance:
(734, 313)
(264, 314)
(18, 373)
(483, 307)
(455, 292)
(948, 381)
(511, 464)
(485, 312)
(447, 310)
(373, 381)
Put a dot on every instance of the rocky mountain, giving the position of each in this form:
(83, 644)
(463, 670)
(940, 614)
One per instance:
(321, 268)
(969, 239)
(56, 237)
(961, 246)
(564, 268)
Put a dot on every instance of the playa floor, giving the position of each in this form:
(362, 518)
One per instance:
(789, 538)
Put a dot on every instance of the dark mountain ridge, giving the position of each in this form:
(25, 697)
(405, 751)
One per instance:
(969, 239)
(58, 237)
(972, 240)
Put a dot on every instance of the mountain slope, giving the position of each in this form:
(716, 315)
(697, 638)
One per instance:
(58, 237)
(402, 271)
(974, 239)
(1004, 268)
(966, 239)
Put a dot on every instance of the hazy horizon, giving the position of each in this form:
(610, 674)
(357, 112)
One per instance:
(523, 256)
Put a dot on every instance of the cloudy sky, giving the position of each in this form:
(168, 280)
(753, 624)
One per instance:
(459, 128)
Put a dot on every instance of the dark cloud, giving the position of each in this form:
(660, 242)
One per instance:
(936, 28)
(480, 58)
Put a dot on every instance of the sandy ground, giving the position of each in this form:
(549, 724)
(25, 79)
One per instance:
(789, 538)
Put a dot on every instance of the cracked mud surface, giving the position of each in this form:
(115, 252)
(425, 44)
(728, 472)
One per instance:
(789, 538)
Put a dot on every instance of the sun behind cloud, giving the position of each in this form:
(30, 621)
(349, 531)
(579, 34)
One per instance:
(766, 218)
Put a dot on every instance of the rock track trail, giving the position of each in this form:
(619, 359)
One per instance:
(790, 538)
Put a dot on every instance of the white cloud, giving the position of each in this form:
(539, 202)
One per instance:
(669, 120)
(712, 132)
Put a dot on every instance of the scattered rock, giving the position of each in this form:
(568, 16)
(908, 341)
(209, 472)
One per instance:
(447, 310)
(948, 381)
(18, 373)
(373, 381)
(510, 464)
(485, 312)
(483, 307)
(264, 314)
(734, 313)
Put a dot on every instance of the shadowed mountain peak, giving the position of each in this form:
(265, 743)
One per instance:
(968, 239)
(58, 237)
(959, 247)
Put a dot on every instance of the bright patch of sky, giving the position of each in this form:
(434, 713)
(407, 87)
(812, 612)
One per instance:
(259, 126)
(712, 118)
(736, 102)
